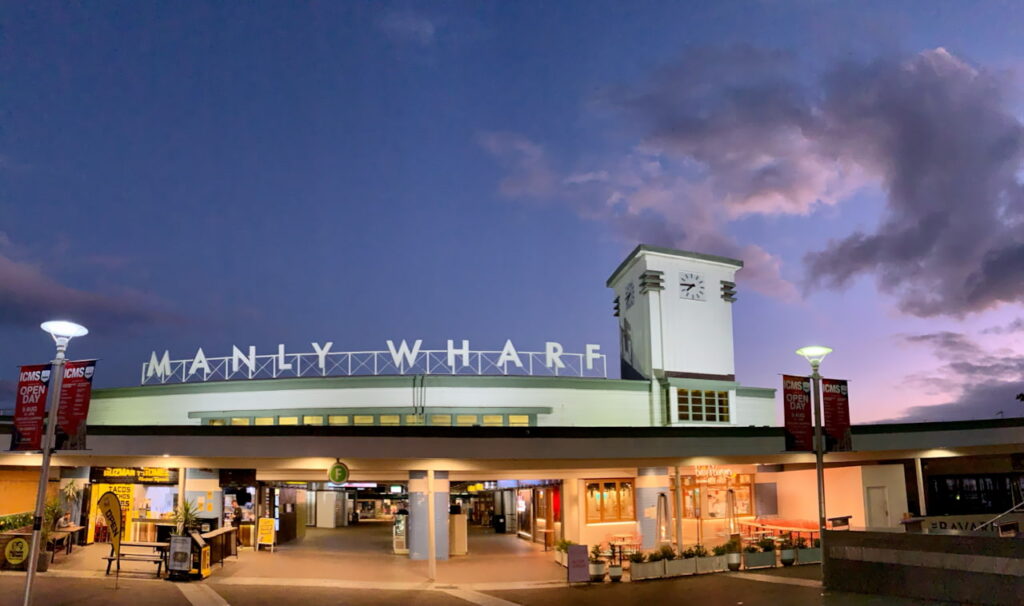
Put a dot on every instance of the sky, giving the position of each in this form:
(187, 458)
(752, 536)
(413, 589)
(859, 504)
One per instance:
(189, 174)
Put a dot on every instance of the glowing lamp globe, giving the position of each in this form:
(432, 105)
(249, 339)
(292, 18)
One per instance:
(64, 329)
(814, 353)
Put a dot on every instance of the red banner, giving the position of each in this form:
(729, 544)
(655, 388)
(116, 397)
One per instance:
(836, 415)
(796, 403)
(75, 392)
(30, 407)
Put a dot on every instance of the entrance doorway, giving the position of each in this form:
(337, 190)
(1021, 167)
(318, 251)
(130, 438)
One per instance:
(878, 507)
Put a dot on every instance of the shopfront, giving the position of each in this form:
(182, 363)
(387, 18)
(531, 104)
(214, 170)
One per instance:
(148, 497)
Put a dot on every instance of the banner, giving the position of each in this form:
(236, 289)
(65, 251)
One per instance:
(110, 508)
(796, 404)
(74, 404)
(99, 530)
(836, 415)
(30, 407)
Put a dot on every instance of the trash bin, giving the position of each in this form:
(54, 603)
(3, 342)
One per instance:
(499, 524)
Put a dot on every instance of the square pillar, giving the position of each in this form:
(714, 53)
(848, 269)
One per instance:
(419, 538)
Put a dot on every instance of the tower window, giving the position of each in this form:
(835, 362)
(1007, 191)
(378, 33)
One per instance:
(702, 406)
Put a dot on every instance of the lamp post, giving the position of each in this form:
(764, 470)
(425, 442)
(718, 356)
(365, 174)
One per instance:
(62, 332)
(815, 354)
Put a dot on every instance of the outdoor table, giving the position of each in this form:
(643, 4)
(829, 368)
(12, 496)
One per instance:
(161, 558)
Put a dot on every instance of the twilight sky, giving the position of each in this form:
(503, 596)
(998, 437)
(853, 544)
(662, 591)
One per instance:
(189, 174)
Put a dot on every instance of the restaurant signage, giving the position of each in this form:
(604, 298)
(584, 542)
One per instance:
(265, 532)
(30, 407)
(713, 471)
(133, 475)
(110, 508)
(398, 359)
(16, 551)
(577, 564)
(75, 392)
(836, 415)
(796, 403)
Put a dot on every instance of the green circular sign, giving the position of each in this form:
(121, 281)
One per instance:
(16, 551)
(338, 473)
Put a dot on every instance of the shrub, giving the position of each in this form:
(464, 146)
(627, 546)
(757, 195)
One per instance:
(787, 543)
(655, 556)
(766, 544)
(15, 520)
(752, 549)
(637, 557)
(720, 550)
(817, 543)
(800, 542)
(689, 553)
(699, 551)
(563, 545)
(667, 553)
(734, 545)
(595, 554)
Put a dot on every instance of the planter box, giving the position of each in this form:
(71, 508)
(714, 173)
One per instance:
(639, 571)
(811, 555)
(678, 568)
(759, 560)
(710, 564)
(561, 558)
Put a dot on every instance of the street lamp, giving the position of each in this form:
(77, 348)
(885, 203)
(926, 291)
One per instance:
(815, 354)
(62, 332)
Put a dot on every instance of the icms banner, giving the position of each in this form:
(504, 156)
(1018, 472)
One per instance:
(30, 407)
(796, 402)
(75, 393)
(836, 402)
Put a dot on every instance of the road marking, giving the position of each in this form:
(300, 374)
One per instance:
(475, 597)
(770, 578)
(201, 594)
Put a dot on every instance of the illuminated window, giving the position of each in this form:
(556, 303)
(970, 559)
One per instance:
(216, 421)
(494, 420)
(390, 420)
(338, 419)
(610, 501)
(363, 419)
(696, 405)
(519, 420)
(264, 421)
(313, 420)
(466, 420)
(414, 419)
(287, 420)
(239, 420)
(440, 419)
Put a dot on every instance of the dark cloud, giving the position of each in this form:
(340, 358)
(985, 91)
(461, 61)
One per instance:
(1016, 325)
(28, 296)
(985, 382)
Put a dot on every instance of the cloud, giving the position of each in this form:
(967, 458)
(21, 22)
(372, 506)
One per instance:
(28, 296)
(1016, 325)
(985, 381)
(408, 27)
(528, 171)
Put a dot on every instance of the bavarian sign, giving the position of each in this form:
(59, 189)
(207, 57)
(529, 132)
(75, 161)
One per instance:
(401, 358)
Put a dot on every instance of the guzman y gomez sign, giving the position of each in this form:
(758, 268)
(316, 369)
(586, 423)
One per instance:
(398, 359)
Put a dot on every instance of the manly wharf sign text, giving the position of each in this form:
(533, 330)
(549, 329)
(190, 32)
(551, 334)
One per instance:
(400, 359)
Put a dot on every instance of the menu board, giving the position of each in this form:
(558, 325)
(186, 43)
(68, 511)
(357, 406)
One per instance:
(265, 534)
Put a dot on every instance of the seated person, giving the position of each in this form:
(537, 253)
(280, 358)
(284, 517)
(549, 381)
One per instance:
(64, 521)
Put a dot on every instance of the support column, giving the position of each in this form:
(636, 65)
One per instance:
(650, 482)
(919, 472)
(420, 518)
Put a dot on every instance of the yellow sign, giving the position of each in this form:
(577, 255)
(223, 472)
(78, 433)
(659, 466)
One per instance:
(17, 551)
(98, 530)
(109, 506)
(265, 533)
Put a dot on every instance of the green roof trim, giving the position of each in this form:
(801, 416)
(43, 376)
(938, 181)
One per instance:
(390, 381)
(376, 410)
(756, 392)
(686, 254)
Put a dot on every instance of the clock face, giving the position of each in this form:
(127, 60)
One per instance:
(691, 286)
(630, 295)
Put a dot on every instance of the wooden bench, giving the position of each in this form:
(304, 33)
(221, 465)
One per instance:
(155, 558)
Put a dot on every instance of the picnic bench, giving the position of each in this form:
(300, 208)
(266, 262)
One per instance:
(159, 557)
(63, 537)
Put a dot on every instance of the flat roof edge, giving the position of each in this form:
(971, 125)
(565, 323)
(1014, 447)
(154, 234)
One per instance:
(686, 254)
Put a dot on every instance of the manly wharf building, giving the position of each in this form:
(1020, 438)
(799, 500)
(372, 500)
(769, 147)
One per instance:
(678, 447)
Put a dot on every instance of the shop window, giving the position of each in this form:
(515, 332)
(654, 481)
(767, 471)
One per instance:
(263, 421)
(710, 497)
(313, 420)
(466, 420)
(494, 420)
(240, 420)
(414, 419)
(217, 422)
(697, 405)
(363, 419)
(338, 419)
(610, 501)
(519, 420)
(390, 420)
(440, 419)
(287, 420)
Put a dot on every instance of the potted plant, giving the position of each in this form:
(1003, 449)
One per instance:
(808, 555)
(787, 551)
(615, 568)
(760, 555)
(680, 564)
(562, 551)
(732, 553)
(596, 564)
(642, 567)
(186, 517)
(707, 562)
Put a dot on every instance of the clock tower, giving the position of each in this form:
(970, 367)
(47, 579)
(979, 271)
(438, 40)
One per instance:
(675, 314)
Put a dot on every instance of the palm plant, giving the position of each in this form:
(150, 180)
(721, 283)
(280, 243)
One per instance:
(186, 517)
